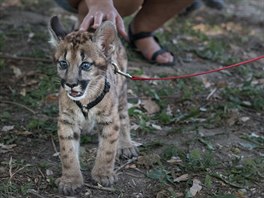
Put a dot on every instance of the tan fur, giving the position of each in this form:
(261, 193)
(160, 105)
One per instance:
(101, 48)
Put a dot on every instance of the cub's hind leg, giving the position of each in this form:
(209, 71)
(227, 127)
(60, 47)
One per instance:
(69, 137)
(126, 148)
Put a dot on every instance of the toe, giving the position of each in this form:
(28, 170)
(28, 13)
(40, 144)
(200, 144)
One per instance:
(164, 58)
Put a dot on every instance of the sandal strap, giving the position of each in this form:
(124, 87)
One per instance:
(161, 51)
(157, 53)
(138, 36)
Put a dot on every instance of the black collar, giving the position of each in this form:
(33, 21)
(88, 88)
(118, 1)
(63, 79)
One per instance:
(86, 108)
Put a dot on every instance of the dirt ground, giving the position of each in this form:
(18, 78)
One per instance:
(198, 137)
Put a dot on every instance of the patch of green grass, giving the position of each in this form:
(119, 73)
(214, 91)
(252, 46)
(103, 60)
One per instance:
(152, 145)
(196, 160)
(39, 124)
(85, 139)
(215, 50)
(143, 119)
(51, 110)
(12, 186)
(5, 116)
(205, 46)
(9, 190)
(254, 140)
(247, 95)
(9, 139)
(160, 174)
(208, 181)
(2, 64)
(164, 118)
(246, 171)
(48, 84)
(170, 151)
(2, 40)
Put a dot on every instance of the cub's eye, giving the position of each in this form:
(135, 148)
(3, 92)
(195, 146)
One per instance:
(63, 64)
(86, 66)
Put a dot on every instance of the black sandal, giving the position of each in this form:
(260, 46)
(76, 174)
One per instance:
(141, 35)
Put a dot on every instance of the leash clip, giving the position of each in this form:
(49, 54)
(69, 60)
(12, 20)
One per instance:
(118, 71)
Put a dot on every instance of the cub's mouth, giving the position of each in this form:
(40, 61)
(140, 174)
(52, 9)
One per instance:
(75, 91)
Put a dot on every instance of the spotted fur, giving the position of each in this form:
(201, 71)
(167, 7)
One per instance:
(84, 63)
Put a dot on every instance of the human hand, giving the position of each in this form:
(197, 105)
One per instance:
(100, 11)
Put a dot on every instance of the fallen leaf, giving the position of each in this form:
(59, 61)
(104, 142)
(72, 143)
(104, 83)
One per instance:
(196, 187)
(24, 133)
(134, 126)
(130, 166)
(30, 83)
(258, 82)
(30, 36)
(7, 128)
(56, 154)
(23, 92)
(49, 172)
(206, 82)
(150, 106)
(169, 111)
(233, 117)
(247, 103)
(136, 144)
(154, 126)
(174, 160)
(148, 160)
(6, 148)
(244, 119)
(167, 193)
(181, 178)
(16, 71)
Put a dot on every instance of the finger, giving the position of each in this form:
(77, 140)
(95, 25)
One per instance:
(87, 21)
(121, 27)
(111, 17)
(98, 18)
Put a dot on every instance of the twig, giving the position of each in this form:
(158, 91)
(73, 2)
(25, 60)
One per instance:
(138, 170)
(11, 175)
(54, 146)
(101, 188)
(33, 192)
(26, 58)
(125, 164)
(41, 173)
(211, 93)
(226, 182)
(132, 175)
(20, 105)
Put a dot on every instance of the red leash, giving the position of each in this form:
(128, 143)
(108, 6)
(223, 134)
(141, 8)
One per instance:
(196, 74)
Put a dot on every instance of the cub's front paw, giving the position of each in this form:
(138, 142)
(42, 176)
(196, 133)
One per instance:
(103, 176)
(127, 152)
(68, 185)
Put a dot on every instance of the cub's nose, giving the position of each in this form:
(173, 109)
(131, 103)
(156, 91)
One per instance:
(71, 85)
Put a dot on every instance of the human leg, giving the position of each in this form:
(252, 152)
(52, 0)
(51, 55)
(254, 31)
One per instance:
(152, 15)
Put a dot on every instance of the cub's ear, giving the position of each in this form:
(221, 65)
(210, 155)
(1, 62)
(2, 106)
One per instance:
(105, 36)
(56, 30)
